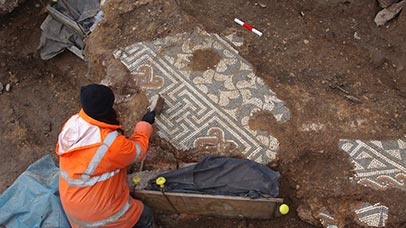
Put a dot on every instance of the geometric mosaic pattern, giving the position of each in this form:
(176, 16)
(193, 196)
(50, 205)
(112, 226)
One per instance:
(378, 164)
(327, 220)
(372, 215)
(205, 107)
(234, 39)
(367, 214)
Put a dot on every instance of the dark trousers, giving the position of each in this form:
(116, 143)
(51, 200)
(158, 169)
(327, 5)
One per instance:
(146, 220)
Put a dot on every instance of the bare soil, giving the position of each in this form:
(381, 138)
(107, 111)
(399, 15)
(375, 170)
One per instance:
(43, 94)
(205, 59)
(308, 55)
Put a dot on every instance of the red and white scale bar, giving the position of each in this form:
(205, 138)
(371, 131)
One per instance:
(247, 26)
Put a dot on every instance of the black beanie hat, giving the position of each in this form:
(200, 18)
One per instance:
(96, 100)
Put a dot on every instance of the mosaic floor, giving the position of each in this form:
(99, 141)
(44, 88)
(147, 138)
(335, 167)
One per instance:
(205, 107)
(378, 164)
(367, 214)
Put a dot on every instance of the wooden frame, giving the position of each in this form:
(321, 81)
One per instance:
(211, 205)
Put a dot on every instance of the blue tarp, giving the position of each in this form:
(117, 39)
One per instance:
(33, 199)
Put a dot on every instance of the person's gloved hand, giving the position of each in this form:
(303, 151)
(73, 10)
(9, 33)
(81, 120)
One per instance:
(149, 117)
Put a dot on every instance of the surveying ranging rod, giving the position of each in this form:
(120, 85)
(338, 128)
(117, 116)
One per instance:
(247, 26)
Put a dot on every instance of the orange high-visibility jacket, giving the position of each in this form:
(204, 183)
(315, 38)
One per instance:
(93, 179)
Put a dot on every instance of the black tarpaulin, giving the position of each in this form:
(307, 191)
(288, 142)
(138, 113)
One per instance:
(222, 176)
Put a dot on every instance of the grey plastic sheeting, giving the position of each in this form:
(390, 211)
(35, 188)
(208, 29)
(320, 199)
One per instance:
(56, 36)
(222, 176)
(33, 199)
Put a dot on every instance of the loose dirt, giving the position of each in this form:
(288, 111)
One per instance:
(42, 96)
(202, 60)
(308, 56)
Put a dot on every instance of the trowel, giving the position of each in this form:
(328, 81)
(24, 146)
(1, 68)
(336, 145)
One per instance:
(156, 104)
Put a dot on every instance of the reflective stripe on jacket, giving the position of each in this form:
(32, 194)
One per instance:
(93, 180)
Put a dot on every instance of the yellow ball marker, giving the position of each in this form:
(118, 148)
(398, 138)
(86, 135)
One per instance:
(160, 181)
(284, 209)
(136, 180)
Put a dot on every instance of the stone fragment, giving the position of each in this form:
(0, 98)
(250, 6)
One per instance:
(305, 213)
(389, 13)
(6, 6)
(386, 3)
(356, 36)
(8, 88)
(13, 78)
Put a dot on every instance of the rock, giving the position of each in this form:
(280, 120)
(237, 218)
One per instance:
(1, 87)
(8, 88)
(305, 214)
(389, 13)
(13, 78)
(6, 6)
(386, 3)
(262, 5)
(356, 36)
(142, 2)
(306, 41)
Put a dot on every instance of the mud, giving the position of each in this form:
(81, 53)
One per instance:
(202, 60)
(314, 77)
